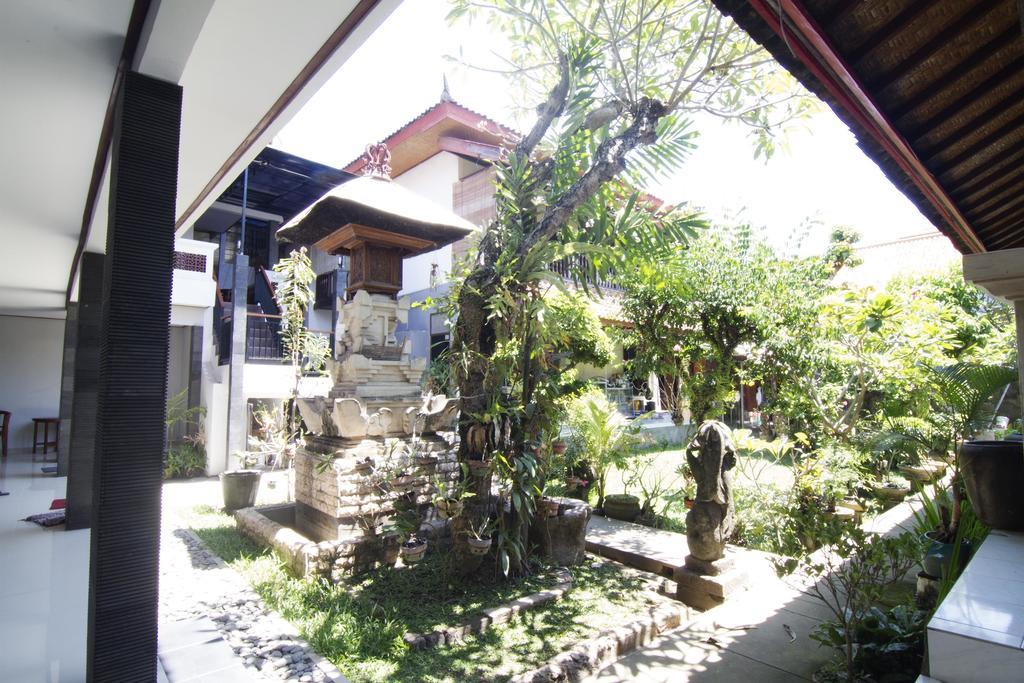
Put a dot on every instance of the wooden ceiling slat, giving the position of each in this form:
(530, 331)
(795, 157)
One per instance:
(839, 12)
(944, 81)
(1005, 232)
(892, 27)
(934, 45)
(994, 167)
(975, 121)
(996, 190)
(999, 212)
(981, 90)
(971, 150)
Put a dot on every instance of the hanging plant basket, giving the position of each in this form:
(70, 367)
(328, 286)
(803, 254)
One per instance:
(558, 447)
(449, 508)
(427, 463)
(478, 546)
(479, 468)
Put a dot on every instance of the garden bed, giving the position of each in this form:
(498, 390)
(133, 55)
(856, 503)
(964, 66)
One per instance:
(359, 624)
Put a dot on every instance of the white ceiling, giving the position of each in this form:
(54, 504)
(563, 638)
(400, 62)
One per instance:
(58, 58)
(233, 58)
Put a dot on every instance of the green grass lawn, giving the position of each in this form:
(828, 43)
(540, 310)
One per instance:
(359, 624)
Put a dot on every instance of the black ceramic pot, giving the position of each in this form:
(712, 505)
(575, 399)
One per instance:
(239, 488)
(993, 473)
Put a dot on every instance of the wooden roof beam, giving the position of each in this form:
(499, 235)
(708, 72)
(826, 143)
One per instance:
(937, 43)
(980, 56)
(891, 28)
(1012, 98)
(981, 90)
(994, 167)
(986, 141)
(811, 46)
(994, 215)
(995, 190)
(1006, 231)
(477, 150)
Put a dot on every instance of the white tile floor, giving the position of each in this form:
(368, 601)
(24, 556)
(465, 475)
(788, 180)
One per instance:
(44, 576)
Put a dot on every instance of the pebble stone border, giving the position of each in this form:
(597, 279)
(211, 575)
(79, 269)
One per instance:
(195, 582)
(588, 657)
(491, 617)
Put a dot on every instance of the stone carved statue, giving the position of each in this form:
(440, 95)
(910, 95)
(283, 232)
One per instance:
(710, 522)
(349, 418)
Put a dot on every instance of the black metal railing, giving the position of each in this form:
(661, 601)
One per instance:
(326, 290)
(263, 338)
(577, 262)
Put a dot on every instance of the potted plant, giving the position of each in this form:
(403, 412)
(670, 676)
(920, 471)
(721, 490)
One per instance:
(622, 506)
(479, 536)
(601, 435)
(891, 491)
(406, 525)
(239, 486)
(944, 551)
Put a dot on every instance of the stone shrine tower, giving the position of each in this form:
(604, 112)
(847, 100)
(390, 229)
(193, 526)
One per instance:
(375, 409)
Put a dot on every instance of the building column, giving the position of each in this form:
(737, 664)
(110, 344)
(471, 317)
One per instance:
(67, 387)
(238, 413)
(132, 389)
(81, 438)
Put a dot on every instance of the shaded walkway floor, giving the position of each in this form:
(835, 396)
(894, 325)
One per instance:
(761, 634)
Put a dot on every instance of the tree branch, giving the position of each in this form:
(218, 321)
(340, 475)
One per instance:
(609, 160)
(547, 112)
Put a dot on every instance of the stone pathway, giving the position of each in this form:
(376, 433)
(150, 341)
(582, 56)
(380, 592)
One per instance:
(760, 635)
(203, 602)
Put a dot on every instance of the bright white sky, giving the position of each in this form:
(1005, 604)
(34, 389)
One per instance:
(397, 74)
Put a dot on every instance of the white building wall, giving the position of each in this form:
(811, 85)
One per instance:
(30, 366)
(432, 179)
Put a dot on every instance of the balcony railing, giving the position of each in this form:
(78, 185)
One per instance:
(263, 338)
(565, 266)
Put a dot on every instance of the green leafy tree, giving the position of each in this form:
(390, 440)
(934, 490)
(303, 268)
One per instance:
(306, 351)
(617, 80)
(693, 312)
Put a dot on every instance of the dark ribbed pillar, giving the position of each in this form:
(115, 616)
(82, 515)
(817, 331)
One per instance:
(132, 392)
(67, 387)
(81, 438)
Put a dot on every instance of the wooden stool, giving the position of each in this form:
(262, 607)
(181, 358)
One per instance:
(45, 443)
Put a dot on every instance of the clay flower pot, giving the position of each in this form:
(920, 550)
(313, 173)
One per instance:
(413, 550)
(547, 507)
(478, 546)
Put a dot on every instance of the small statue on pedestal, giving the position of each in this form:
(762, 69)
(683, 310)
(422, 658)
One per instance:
(711, 521)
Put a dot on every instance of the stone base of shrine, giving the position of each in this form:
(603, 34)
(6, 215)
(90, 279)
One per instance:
(704, 585)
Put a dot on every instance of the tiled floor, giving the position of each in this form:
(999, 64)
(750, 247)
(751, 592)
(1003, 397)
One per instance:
(44, 576)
